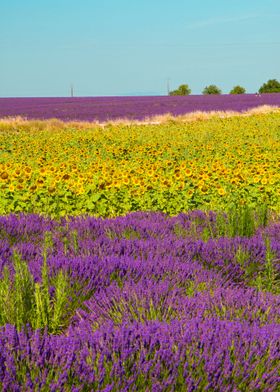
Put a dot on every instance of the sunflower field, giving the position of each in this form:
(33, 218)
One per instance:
(59, 169)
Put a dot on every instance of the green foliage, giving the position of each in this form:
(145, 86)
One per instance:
(212, 89)
(183, 89)
(238, 90)
(241, 221)
(268, 278)
(16, 304)
(271, 86)
(25, 302)
(59, 302)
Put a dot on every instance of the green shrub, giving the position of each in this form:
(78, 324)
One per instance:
(25, 302)
(237, 90)
(212, 90)
(183, 89)
(271, 86)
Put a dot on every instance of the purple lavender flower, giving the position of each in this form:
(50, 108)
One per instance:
(150, 306)
(110, 108)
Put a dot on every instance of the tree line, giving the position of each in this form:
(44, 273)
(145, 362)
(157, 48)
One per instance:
(271, 86)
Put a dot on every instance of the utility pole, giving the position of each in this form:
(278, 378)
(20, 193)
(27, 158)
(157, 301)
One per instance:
(168, 87)
(72, 90)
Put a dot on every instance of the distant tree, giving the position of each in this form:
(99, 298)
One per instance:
(238, 90)
(271, 86)
(183, 89)
(212, 89)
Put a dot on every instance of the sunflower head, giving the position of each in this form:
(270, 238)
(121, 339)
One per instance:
(4, 175)
(221, 191)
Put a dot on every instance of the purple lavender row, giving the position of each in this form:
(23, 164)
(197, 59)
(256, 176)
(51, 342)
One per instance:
(194, 356)
(159, 305)
(137, 246)
(142, 257)
(110, 108)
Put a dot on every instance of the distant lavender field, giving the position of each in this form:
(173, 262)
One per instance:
(138, 108)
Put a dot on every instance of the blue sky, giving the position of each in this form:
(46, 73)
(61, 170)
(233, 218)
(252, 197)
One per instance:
(136, 47)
